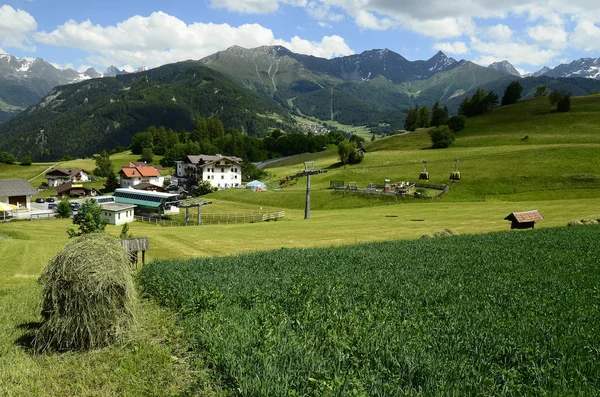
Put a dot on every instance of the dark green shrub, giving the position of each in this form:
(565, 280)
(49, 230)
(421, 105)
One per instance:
(441, 137)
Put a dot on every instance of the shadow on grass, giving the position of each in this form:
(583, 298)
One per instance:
(335, 166)
(26, 340)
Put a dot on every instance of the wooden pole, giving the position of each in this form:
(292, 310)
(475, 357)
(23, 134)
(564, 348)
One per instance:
(199, 215)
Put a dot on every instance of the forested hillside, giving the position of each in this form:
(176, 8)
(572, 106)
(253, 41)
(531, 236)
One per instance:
(84, 118)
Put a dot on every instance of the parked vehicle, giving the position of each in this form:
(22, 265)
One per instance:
(50, 200)
(75, 206)
(52, 206)
(40, 200)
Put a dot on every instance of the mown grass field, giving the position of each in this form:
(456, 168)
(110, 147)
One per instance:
(496, 314)
(555, 171)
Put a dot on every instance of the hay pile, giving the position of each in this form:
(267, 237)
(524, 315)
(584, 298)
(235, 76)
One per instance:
(579, 222)
(444, 233)
(89, 296)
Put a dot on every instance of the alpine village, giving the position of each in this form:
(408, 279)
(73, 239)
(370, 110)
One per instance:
(268, 220)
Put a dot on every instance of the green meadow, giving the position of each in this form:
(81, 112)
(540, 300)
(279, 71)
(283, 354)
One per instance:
(555, 170)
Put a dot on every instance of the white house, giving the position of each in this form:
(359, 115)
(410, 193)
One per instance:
(59, 176)
(221, 171)
(118, 213)
(132, 174)
(17, 192)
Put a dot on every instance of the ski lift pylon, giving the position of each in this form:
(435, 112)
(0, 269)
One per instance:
(424, 176)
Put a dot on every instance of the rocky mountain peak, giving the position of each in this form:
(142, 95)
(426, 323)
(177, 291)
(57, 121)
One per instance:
(505, 66)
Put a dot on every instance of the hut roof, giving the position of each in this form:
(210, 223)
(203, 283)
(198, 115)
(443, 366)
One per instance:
(524, 217)
(135, 244)
(16, 187)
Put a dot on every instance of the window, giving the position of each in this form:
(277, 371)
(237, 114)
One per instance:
(222, 176)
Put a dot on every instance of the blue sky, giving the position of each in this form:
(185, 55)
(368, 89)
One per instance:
(132, 33)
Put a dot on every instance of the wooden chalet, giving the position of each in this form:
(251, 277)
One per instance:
(75, 190)
(524, 220)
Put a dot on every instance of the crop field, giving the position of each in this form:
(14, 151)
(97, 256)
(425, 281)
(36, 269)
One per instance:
(498, 314)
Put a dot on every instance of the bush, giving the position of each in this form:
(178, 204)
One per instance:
(88, 296)
(457, 123)
(89, 219)
(204, 187)
(441, 137)
(562, 100)
(26, 160)
(63, 209)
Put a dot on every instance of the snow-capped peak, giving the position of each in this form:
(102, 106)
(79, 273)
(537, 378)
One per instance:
(506, 67)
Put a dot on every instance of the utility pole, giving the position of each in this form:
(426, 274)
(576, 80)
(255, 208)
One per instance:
(309, 169)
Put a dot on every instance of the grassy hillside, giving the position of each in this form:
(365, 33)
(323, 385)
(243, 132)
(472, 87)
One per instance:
(558, 160)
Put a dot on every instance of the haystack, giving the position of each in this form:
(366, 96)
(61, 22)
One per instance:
(89, 296)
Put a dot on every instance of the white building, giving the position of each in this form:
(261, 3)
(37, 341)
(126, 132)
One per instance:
(133, 174)
(17, 192)
(118, 213)
(60, 176)
(221, 171)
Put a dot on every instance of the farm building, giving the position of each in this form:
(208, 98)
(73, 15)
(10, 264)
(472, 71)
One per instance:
(148, 200)
(75, 190)
(221, 171)
(59, 176)
(135, 173)
(16, 192)
(118, 214)
(524, 220)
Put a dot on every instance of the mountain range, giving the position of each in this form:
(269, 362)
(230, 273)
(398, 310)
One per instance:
(251, 90)
(24, 82)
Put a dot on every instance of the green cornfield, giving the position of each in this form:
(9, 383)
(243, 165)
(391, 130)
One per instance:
(514, 313)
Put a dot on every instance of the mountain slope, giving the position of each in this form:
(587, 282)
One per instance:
(84, 118)
(584, 67)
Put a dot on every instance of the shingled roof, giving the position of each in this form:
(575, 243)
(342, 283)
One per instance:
(524, 217)
(16, 187)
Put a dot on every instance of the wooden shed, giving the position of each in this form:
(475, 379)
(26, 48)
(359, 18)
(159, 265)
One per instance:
(524, 220)
(134, 246)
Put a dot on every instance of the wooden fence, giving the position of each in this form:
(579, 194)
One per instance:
(217, 219)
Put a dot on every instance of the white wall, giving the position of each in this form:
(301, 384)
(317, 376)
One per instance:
(119, 217)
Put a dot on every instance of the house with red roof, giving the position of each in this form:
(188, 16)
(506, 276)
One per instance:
(135, 173)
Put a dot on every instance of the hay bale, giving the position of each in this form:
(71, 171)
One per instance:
(574, 222)
(89, 296)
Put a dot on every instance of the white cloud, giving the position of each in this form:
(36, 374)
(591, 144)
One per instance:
(500, 33)
(330, 46)
(514, 52)
(161, 38)
(458, 47)
(554, 36)
(586, 36)
(368, 20)
(254, 6)
(16, 27)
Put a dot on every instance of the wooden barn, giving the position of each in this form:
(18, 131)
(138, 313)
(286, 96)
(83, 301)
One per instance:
(524, 220)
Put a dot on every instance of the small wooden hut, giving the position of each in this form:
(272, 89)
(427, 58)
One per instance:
(134, 246)
(524, 220)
